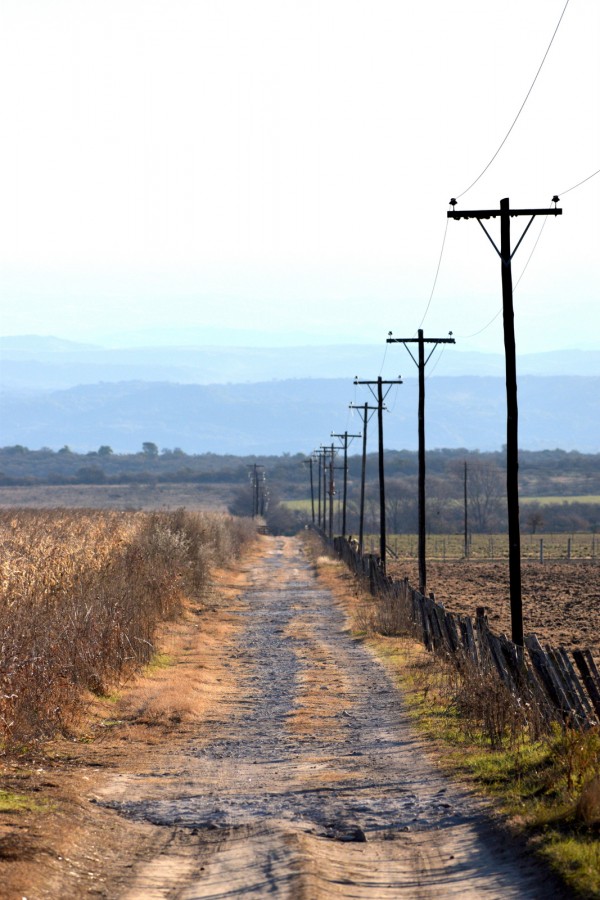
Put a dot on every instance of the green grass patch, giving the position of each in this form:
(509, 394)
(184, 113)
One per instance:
(159, 661)
(110, 697)
(300, 505)
(575, 498)
(12, 802)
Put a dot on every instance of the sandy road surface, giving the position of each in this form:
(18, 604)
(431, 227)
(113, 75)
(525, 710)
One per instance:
(306, 780)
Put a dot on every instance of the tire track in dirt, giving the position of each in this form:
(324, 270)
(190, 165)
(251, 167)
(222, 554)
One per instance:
(308, 781)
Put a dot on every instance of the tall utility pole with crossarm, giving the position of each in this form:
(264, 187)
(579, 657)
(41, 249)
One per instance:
(505, 214)
(380, 397)
(421, 362)
(345, 440)
(365, 409)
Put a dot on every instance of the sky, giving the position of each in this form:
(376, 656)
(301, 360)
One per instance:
(281, 169)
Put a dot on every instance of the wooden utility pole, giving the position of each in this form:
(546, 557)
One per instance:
(364, 408)
(309, 462)
(380, 397)
(466, 513)
(331, 491)
(328, 487)
(421, 363)
(319, 456)
(344, 438)
(505, 213)
(254, 480)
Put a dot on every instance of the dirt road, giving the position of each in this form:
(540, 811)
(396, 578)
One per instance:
(301, 779)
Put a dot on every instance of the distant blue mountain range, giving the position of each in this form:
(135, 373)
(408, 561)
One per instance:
(33, 363)
(298, 415)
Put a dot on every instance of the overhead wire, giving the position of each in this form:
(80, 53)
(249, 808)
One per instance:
(561, 193)
(435, 365)
(579, 183)
(391, 408)
(484, 171)
(384, 357)
(437, 272)
(515, 120)
(465, 337)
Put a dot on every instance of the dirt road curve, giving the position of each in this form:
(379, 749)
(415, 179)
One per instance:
(306, 780)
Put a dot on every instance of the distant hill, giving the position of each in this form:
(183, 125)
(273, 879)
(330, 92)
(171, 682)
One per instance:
(32, 363)
(298, 414)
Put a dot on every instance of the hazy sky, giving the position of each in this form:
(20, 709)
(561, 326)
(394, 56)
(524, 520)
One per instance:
(286, 167)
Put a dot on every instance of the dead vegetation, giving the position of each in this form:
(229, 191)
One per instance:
(81, 596)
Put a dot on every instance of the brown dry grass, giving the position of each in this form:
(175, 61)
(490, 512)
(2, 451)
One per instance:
(81, 596)
(161, 496)
(588, 805)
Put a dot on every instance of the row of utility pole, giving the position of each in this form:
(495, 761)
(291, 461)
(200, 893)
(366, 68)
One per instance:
(379, 388)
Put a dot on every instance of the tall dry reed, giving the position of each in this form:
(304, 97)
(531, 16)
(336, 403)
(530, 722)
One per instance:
(81, 596)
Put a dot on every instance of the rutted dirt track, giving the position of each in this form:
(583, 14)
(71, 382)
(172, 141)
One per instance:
(302, 779)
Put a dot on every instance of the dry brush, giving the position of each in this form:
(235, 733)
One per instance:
(81, 596)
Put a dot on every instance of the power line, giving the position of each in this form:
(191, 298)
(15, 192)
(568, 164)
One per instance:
(458, 196)
(530, 255)
(382, 362)
(437, 272)
(466, 337)
(579, 183)
(436, 363)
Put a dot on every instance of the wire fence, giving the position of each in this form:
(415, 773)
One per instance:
(559, 684)
(485, 547)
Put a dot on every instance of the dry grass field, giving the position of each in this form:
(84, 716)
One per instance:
(118, 496)
(82, 593)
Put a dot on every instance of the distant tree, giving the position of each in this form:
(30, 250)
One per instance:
(90, 475)
(242, 501)
(281, 519)
(485, 490)
(534, 519)
(105, 450)
(150, 449)
(65, 450)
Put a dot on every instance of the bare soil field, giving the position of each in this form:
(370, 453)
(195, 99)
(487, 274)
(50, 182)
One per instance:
(273, 757)
(119, 496)
(561, 600)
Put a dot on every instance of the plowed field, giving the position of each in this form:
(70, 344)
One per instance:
(561, 601)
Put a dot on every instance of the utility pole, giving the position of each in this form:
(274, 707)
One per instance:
(364, 408)
(253, 474)
(344, 438)
(422, 362)
(380, 397)
(319, 457)
(505, 213)
(466, 513)
(328, 451)
(331, 492)
(309, 462)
